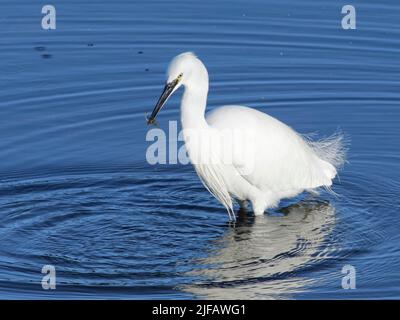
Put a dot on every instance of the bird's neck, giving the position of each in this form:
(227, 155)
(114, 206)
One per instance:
(193, 106)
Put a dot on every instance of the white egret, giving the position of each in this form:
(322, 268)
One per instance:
(283, 163)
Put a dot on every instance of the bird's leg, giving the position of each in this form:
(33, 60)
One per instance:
(258, 207)
(243, 204)
(258, 212)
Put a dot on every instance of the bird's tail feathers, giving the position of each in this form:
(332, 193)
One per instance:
(332, 149)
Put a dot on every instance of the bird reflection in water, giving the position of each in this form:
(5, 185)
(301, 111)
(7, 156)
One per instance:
(264, 257)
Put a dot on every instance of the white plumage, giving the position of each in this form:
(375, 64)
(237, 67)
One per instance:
(244, 154)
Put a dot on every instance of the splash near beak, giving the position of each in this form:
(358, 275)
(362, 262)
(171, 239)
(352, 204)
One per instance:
(168, 89)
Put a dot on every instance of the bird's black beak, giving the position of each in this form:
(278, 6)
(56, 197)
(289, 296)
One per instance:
(168, 89)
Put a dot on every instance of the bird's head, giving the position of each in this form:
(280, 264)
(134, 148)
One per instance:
(184, 69)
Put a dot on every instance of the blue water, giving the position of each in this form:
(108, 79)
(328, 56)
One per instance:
(76, 191)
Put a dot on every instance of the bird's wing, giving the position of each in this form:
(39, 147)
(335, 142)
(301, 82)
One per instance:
(269, 154)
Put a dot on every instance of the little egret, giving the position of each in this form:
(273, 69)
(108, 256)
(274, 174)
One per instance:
(282, 163)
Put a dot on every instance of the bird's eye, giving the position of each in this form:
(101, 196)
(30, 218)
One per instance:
(180, 77)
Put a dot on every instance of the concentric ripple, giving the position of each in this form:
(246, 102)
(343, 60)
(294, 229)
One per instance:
(111, 232)
(150, 233)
